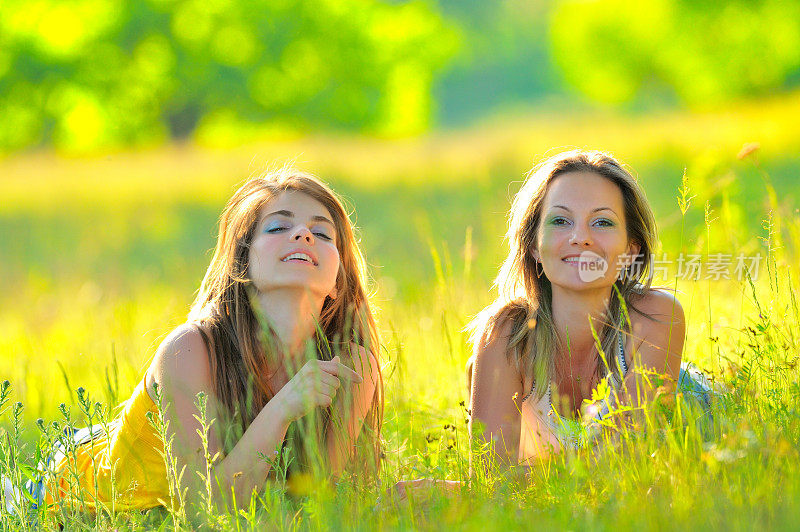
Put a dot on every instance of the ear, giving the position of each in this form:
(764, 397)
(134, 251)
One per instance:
(535, 254)
(633, 252)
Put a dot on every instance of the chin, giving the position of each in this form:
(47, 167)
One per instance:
(578, 285)
(293, 282)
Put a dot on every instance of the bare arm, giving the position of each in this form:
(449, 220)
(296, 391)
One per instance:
(181, 369)
(350, 409)
(496, 384)
(659, 346)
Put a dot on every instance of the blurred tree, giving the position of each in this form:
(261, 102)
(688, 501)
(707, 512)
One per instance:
(92, 74)
(504, 59)
(615, 51)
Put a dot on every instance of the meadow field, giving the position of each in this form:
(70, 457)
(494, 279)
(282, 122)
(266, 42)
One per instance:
(101, 258)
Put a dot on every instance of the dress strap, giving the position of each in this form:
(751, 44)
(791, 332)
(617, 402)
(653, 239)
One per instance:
(623, 366)
(533, 387)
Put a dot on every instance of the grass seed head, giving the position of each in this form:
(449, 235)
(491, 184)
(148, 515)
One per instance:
(748, 149)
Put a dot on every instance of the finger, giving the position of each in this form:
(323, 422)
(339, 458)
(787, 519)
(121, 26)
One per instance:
(327, 389)
(334, 367)
(399, 491)
(328, 379)
(324, 399)
(349, 374)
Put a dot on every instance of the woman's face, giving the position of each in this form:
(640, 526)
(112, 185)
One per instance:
(294, 246)
(582, 240)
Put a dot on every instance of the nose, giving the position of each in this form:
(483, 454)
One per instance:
(304, 234)
(580, 236)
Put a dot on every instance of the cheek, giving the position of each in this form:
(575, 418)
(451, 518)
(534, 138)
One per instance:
(332, 264)
(621, 247)
(618, 255)
(254, 265)
(259, 251)
(548, 240)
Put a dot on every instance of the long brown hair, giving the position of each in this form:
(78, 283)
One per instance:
(238, 341)
(525, 298)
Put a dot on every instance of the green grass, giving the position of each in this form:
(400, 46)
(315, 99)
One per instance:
(101, 259)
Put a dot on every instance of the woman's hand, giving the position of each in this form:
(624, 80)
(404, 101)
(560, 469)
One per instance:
(422, 491)
(314, 385)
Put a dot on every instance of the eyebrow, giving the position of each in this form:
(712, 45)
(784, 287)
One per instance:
(290, 214)
(593, 210)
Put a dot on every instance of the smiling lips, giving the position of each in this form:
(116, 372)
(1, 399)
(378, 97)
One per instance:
(299, 256)
(579, 259)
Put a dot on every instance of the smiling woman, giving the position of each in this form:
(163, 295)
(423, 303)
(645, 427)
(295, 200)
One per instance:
(304, 223)
(581, 235)
(282, 342)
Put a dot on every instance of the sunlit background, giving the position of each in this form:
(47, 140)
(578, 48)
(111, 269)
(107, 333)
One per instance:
(125, 126)
(96, 75)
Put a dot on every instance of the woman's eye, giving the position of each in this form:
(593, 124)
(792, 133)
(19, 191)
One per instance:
(604, 223)
(559, 221)
(322, 235)
(274, 228)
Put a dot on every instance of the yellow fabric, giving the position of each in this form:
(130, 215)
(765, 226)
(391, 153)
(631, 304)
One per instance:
(129, 454)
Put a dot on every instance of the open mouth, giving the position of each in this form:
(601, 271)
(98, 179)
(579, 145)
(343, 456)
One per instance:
(298, 257)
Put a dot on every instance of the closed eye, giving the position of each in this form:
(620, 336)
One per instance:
(321, 231)
(275, 228)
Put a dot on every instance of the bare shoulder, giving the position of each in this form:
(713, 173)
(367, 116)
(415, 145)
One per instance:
(360, 359)
(659, 304)
(495, 382)
(494, 340)
(181, 361)
(659, 338)
(491, 352)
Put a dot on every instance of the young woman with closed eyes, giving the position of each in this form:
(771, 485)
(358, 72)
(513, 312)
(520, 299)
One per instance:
(282, 341)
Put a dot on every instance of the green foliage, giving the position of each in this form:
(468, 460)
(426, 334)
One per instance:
(702, 52)
(667, 465)
(89, 74)
(104, 256)
(505, 59)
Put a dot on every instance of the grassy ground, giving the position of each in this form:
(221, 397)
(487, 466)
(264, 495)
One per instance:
(101, 259)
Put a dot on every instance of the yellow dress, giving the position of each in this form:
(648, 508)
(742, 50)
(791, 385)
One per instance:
(127, 464)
